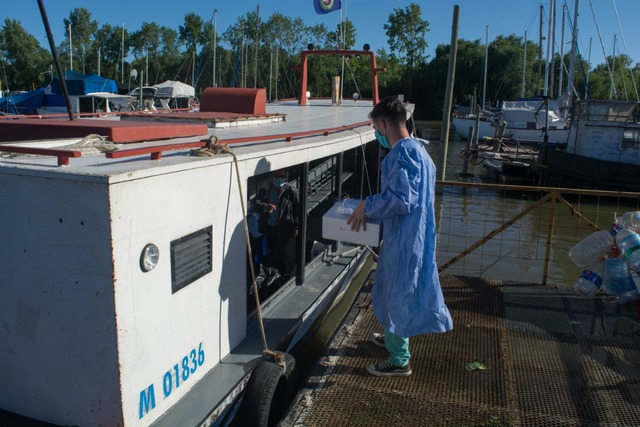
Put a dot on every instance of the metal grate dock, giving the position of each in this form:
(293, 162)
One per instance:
(552, 358)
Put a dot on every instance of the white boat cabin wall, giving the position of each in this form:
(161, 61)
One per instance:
(605, 130)
(92, 326)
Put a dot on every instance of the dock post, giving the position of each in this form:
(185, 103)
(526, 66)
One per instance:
(448, 98)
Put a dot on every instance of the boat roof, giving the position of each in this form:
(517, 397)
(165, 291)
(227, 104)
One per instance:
(317, 124)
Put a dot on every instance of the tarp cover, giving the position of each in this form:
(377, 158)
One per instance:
(174, 89)
(82, 84)
(22, 103)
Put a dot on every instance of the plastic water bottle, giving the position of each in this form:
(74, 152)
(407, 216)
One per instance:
(630, 220)
(615, 278)
(592, 248)
(590, 280)
(628, 242)
(632, 295)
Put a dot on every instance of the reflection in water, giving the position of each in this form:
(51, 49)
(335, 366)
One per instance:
(466, 215)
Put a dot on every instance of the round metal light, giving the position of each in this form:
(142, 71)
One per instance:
(149, 257)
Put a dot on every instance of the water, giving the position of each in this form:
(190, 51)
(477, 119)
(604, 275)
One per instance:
(467, 215)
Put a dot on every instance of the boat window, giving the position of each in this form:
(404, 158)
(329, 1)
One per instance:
(353, 174)
(631, 137)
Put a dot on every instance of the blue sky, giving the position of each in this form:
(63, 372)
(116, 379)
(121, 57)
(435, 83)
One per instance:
(503, 17)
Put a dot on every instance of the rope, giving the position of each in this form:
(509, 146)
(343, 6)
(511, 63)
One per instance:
(211, 149)
(91, 144)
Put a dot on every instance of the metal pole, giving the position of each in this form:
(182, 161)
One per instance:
(302, 223)
(448, 99)
(70, 49)
(539, 54)
(545, 91)
(277, 71)
(553, 47)
(486, 58)
(524, 64)
(561, 68)
(255, 53)
(270, 73)
(56, 60)
(215, 16)
(122, 66)
(146, 70)
(574, 40)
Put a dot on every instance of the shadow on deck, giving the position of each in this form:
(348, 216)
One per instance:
(551, 358)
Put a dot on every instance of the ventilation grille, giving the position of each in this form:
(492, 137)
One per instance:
(191, 258)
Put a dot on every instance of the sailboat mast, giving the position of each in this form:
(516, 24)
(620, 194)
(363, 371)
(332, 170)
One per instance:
(553, 48)
(548, 52)
(524, 64)
(215, 15)
(486, 57)
(574, 38)
(561, 67)
(255, 53)
(122, 67)
(70, 49)
(539, 54)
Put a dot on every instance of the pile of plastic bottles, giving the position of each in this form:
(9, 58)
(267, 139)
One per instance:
(610, 260)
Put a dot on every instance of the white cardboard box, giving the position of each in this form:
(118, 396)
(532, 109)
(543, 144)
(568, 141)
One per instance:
(335, 227)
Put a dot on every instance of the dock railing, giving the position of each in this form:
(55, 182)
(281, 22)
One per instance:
(520, 233)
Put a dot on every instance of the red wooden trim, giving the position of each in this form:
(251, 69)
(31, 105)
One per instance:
(155, 151)
(62, 155)
(295, 135)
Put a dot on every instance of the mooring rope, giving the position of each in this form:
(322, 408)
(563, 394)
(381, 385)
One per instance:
(211, 149)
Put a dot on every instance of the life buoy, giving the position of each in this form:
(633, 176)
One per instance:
(268, 392)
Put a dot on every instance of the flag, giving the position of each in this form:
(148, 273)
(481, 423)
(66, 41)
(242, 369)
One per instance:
(326, 6)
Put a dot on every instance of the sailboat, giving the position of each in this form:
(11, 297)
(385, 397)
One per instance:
(603, 149)
(528, 121)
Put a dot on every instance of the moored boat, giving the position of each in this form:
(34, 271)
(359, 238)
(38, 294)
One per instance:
(603, 148)
(529, 120)
(124, 290)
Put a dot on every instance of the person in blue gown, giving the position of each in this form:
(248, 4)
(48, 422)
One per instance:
(406, 296)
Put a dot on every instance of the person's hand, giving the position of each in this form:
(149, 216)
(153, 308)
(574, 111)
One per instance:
(358, 218)
(271, 207)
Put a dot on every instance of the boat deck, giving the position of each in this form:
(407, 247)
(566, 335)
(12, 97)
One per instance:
(317, 125)
(520, 354)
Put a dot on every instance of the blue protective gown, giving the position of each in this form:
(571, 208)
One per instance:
(407, 298)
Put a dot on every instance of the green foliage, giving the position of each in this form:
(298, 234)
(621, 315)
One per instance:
(82, 28)
(25, 61)
(406, 33)
(276, 42)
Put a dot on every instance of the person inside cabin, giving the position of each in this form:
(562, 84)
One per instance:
(278, 202)
(407, 298)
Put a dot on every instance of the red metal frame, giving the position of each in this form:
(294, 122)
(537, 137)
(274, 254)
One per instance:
(304, 70)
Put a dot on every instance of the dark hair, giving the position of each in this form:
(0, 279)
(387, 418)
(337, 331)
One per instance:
(389, 109)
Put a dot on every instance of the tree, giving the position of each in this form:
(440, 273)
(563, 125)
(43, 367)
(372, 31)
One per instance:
(406, 33)
(191, 34)
(109, 40)
(27, 61)
(82, 31)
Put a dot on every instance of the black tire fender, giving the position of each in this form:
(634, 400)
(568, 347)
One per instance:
(268, 392)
